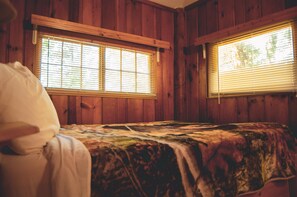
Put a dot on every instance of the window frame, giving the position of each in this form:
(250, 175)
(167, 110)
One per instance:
(105, 43)
(243, 36)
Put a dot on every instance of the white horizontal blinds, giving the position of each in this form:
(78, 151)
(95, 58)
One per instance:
(67, 65)
(264, 61)
(128, 71)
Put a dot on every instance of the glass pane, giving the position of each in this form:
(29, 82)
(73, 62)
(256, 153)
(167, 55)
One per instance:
(44, 50)
(55, 52)
(90, 58)
(71, 77)
(128, 82)
(143, 64)
(43, 74)
(112, 59)
(112, 80)
(71, 54)
(54, 74)
(90, 79)
(271, 48)
(128, 61)
(143, 83)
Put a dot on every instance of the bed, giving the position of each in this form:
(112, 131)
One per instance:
(172, 158)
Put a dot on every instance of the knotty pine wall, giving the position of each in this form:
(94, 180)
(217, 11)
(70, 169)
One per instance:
(131, 16)
(208, 16)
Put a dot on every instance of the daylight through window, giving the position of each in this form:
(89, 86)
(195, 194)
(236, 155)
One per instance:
(68, 65)
(260, 62)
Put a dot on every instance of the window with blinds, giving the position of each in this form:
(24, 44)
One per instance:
(72, 66)
(260, 62)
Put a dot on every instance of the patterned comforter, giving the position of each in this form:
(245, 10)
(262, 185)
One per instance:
(185, 159)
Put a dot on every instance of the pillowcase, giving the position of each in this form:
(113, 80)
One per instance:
(22, 98)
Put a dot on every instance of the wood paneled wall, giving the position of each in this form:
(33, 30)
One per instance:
(208, 16)
(131, 16)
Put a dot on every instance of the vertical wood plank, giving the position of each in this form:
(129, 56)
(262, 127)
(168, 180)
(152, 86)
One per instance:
(90, 12)
(202, 68)
(148, 110)
(256, 108)
(252, 9)
(60, 9)
(16, 35)
(135, 110)
(191, 74)
(148, 21)
(212, 16)
(4, 33)
(109, 110)
(242, 109)
(226, 14)
(121, 16)
(74, 10)
(268, 7)
(228, 110)
(202, 20)
(42, 7)
(122, 110)
(108, 14)
(78, 109)
(134, 19)
(239, 14)
(91, 110)
(293, 113)
(180, 67)
(71, 110)
(290, 3)
(213, 110)
(61, 105)
(168, 65)
(276, 109)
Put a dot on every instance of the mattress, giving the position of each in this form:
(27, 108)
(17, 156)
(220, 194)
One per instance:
(186, 159)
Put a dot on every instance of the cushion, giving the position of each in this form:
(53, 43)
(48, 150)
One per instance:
(22, 98)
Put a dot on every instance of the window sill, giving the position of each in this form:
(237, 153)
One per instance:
(99, 94)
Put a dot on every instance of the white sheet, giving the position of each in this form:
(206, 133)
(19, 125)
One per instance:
(63, 169)
(70, 167)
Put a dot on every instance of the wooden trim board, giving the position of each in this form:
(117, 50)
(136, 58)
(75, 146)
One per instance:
(279, 17)
(96, 31)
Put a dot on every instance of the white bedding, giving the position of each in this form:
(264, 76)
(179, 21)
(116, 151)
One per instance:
(63, 169)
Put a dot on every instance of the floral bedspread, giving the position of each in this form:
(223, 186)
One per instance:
(185, 159)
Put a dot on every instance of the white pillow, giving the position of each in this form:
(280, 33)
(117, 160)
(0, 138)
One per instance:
(22, 98)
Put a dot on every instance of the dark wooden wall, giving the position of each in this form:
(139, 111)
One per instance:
(131, 16)
(209, 16)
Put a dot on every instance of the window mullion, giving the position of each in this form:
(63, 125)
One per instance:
(102, 68)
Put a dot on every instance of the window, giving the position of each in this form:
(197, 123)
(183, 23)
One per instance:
(66, 65)
(259, 62)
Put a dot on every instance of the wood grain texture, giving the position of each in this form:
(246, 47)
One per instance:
(268, 7)
(256, 108)
(228, 110)
(180, 67)
(61, 104)
(293, 113)
(135, 110)
(242, 109)
(276, 109)
(212, 16)
(252, 9)
(239, 14)
(109, 14)
(148, 110)
(122, 110)
(90, 12)
(109, 110)
(16, 34)
(226, 13)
